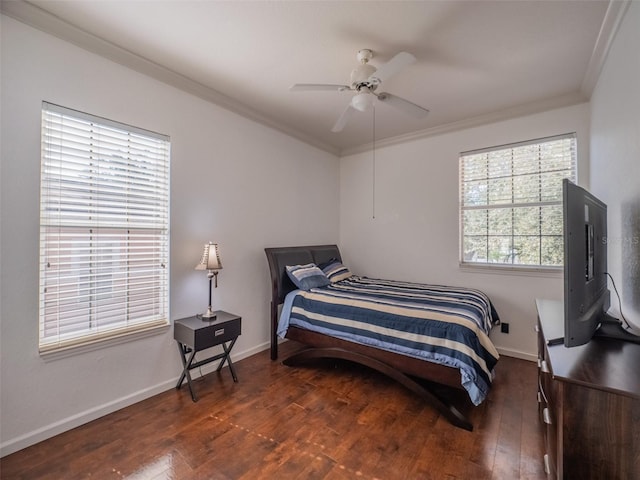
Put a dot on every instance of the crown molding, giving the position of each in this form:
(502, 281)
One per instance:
(530, 108)
(610, 25)
(36, 17)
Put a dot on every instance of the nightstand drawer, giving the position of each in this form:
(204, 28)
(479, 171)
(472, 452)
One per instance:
(217, 333)
(200, 334)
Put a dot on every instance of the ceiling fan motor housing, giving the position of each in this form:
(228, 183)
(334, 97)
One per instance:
(360, 76)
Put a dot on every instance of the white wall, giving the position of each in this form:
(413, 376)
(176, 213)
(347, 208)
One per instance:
(414, 235)
(615, 160)
(232, 181)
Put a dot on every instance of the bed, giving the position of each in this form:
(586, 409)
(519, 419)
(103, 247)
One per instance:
(352, 318)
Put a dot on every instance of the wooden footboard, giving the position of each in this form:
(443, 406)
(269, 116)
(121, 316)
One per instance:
(433, 372)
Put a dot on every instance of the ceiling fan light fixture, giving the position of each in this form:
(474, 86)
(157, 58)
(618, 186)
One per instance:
(362, 101)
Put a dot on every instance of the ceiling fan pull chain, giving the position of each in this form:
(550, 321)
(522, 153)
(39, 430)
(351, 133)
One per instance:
(373, 149)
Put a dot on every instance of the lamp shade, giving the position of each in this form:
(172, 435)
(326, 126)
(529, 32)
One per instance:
(210, 258)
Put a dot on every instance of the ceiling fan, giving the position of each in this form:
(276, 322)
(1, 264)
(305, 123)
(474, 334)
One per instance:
(365, 79)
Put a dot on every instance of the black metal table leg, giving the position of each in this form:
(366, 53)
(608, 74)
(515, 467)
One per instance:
(186, 364)
(227, 358)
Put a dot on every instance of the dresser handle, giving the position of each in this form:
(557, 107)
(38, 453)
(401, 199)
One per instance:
(547, 467)
(536, 328)
(544, 367)
(546, 416)
(539, 397)
(542, 393)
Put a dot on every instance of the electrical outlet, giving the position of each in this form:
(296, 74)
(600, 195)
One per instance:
(504, 327)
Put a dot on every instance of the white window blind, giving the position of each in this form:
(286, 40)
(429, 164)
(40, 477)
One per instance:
(104, 229)
(511, 202)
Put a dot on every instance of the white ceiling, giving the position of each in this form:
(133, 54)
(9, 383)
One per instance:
(476, 60)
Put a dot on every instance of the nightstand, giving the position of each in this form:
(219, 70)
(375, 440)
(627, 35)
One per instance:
(194, 334)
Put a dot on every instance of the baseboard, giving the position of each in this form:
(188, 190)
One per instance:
(518, 354)
(74, 421)
(56, 428)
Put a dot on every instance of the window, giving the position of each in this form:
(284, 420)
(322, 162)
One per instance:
(511, 202)
(104, 229)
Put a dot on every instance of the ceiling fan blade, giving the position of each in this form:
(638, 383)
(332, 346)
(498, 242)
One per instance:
(405, 105)
(392, 67)
(344, 118)
(303, 87)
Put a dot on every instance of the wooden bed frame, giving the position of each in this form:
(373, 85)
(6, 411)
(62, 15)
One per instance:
(399, 367)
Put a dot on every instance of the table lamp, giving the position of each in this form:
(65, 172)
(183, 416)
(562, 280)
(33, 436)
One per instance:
(210, 261)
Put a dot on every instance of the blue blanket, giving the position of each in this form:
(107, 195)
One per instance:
(445, 325)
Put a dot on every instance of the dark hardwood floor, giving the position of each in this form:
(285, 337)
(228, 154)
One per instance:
(333, 420)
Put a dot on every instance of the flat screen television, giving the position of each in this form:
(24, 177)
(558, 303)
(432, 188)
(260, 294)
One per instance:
(586, 293)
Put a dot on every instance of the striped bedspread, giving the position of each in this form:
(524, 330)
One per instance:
(445, 325)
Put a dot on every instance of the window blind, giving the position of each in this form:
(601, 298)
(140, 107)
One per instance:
(511, 202)
(104, 229)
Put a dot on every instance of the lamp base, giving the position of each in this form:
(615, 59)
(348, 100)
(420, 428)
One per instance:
(209, 315)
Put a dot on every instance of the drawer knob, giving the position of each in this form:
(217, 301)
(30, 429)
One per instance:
(546, 416)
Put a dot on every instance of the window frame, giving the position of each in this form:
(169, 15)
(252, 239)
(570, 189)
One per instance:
(104, 215)
(505, 267)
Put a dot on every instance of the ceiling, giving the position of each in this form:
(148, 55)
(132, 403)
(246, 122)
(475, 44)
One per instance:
(477, 61)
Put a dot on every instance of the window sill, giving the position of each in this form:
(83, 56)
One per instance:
(549, 272)
(69, 351)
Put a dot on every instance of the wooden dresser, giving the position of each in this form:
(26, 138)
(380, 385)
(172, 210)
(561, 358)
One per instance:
(589, 402)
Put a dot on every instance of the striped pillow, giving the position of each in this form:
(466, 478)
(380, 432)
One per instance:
(308, 276)
(335, 270)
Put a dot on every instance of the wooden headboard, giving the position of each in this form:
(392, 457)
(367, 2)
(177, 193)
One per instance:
(281, 285)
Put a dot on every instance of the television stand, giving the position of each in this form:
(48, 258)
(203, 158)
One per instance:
(611, 327)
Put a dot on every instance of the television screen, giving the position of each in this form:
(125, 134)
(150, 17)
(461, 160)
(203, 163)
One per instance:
(586, 297)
